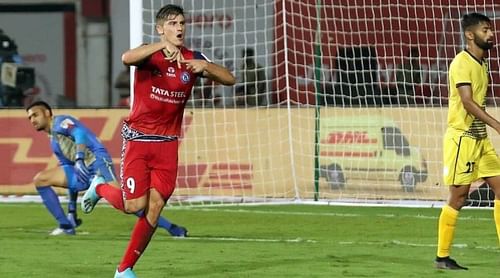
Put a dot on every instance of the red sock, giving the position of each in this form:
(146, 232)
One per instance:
(112, 194)
(141, 236)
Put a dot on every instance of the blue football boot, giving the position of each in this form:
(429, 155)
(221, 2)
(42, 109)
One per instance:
(178, 231)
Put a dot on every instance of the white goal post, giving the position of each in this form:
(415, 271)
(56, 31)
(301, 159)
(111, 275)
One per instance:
(338, 101)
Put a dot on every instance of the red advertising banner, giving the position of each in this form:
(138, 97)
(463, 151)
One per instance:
(25, 152)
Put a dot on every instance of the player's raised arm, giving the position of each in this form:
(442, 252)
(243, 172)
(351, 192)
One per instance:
(135, 56)
(210, 70)
(219, 74)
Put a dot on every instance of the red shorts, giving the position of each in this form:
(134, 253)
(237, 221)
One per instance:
(148, 165)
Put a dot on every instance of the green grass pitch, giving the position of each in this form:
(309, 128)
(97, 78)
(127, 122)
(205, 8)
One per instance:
(251, 241)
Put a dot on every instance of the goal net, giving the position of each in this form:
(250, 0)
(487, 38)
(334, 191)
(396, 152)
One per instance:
(338, 101)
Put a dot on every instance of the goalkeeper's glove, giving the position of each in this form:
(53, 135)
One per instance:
(82, 172)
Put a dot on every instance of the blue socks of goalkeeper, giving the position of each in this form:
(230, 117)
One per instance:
(51, 202)
(162, 221)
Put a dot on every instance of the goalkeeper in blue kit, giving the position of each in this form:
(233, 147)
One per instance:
(81, 156)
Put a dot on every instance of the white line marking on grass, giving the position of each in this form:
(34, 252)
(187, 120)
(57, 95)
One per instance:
(41, 231)
(412, 244)
(417, 216)
(278, 212)
(278, 240)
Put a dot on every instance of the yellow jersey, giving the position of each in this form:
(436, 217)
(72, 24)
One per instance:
(465, 69)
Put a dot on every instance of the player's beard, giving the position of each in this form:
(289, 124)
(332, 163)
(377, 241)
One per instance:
(39, 126)
(484, 45)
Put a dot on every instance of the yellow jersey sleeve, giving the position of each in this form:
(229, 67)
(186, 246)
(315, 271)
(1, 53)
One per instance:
(460, 73)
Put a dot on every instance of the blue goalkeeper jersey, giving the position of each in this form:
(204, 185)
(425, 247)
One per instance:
(66, 133)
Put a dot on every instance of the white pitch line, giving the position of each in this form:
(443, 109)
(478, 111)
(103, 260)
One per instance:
(278, 212)
(333, 214)
(412, 244)
(41, 231)
(278, 240)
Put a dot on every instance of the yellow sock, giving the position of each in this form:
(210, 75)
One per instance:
(496, 215)
(447, 222)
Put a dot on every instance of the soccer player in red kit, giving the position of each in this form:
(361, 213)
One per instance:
(165, 74)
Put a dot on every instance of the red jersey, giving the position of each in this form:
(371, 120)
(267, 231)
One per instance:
(161, 90)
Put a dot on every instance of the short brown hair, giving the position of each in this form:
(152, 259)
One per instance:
(167, 11)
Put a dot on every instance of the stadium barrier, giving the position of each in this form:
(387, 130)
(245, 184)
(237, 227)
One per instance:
(249, 152)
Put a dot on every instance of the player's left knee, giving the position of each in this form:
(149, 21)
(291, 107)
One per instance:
(457, 202)
(461, 201)
(156, 201)
(156, 205)
(40, 179)
(133, 206)
(154, 211)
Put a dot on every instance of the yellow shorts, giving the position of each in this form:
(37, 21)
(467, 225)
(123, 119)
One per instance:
(466, 159)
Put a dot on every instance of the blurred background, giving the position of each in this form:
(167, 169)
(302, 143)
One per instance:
(66, 52)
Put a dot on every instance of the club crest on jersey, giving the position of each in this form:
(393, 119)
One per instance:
(67, 123)
(171, 72)
(185, 77)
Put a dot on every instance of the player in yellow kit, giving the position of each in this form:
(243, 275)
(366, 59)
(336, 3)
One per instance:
(467, 151)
